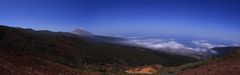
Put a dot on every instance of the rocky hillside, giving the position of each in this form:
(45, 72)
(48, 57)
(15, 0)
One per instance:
(227, 65)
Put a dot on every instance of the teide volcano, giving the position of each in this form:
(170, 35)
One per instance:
(81, 32)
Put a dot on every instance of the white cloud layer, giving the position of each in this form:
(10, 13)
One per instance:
(235, 44)
(202, 49)
(205, 44)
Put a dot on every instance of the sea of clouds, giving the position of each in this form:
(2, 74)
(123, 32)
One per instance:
(199, 49)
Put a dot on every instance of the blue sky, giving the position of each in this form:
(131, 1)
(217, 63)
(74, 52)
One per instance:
(203, 18)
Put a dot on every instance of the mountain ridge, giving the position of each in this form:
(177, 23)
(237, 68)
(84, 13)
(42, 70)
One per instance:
(75, 52)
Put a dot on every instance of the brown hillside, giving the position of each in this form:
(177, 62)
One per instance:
(230, 65)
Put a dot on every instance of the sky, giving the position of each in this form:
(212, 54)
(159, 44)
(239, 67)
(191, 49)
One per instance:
(202, 18)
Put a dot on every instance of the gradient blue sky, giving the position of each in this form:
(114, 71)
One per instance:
(204, 18)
